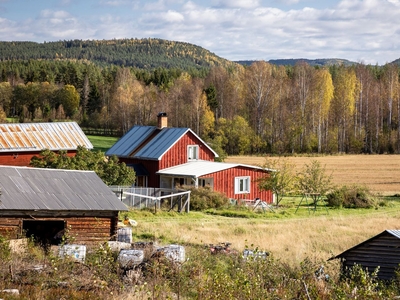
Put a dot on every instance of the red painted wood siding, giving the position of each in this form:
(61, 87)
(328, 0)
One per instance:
(224, 182)
(177, 155)
(21, 159)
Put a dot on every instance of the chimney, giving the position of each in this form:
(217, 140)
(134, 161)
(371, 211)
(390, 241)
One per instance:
(162, 120)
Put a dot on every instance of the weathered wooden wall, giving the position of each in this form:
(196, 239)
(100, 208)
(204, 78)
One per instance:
(81, 230)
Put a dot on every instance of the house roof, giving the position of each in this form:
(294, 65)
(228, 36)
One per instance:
(24, 137)
(149, 142)
(24, 188)
(131, 141)
(395, 233)
(200, 168)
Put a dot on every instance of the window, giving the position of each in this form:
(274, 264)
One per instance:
(242, 185)
(193, 152)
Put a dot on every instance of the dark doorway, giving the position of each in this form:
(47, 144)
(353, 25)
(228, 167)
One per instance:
(44, 233)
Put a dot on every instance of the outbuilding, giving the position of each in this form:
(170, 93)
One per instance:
(46, 202)
(19, 142)
(380, 251)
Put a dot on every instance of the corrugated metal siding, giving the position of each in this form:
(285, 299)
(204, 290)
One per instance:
(130, 142)
(48, 189)
(39, 136)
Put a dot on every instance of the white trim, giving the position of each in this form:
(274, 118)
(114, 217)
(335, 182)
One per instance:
(242, 185)
(193, 152)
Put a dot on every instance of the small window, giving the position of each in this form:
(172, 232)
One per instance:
(193, 152)
(242, 185)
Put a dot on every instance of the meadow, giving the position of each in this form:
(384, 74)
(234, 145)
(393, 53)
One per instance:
(380, 173)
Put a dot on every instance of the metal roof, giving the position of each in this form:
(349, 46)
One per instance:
(25, 189)
(200, 168)
(127, 144)
(40, 136)
(158, 145)
(139, 143)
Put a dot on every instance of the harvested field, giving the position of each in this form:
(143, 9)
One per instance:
(380, 173)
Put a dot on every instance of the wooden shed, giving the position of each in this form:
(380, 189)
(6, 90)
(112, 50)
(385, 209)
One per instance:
(43, 202)
(382, 250)
(19, 142)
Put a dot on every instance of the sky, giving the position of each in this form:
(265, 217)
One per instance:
(366, 31)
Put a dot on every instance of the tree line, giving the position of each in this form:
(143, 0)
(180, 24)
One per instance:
(256, 109)
(149, 53)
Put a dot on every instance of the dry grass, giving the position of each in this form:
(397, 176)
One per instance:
(292, 239)
(380, 173)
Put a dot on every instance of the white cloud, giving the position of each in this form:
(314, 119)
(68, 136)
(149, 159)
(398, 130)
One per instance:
(237, 3)
(236, 29)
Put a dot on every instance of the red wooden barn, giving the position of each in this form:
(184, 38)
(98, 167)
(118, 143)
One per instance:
(20, 142)
(168, 157)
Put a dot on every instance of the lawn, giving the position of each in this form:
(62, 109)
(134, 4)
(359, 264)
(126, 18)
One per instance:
(102, 143)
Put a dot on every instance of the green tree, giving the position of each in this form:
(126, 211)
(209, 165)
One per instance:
(313, 180)
(107, 168)
(280, 179)
(5, 95)
(69, 98)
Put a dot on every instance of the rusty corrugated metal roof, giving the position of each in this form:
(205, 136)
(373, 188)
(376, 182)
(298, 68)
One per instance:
(40, 136)
(26, 189)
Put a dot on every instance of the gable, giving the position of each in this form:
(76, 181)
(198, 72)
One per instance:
(39, 136)
(54, 189)
(150, 143)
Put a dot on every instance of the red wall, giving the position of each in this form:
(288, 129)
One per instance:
(224, 182)
(21, 159)
(177, 155)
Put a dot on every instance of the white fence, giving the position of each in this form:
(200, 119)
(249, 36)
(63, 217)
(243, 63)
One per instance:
(154, 198)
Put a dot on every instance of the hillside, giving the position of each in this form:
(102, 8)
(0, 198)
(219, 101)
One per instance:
(140, 53)
(311, 62)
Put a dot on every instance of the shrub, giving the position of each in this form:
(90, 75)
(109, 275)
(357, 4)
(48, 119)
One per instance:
(351, 197)
(5, 250)
(205, 198)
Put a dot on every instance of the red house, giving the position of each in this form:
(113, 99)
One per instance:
(20, 142)
(168, 157)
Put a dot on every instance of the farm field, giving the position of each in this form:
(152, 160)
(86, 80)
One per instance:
(380, 173)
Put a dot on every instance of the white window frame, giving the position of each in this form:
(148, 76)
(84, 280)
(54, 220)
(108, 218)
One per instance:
(242, 185)
(193, 152)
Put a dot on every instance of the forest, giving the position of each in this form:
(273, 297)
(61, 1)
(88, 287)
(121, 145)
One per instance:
(255, 109)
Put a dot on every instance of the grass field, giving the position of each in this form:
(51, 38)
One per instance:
(380, 173)
(101, 143)
(291, 236)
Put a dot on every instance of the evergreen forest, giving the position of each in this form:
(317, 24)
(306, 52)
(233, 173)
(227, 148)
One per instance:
(258, 108)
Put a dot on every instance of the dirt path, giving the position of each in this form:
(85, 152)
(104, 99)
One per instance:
(380, 173)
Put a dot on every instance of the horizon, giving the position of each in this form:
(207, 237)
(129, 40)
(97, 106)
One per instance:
(365, 31)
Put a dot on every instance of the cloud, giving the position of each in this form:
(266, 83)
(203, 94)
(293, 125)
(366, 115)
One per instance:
(365, 30)
(237, 3)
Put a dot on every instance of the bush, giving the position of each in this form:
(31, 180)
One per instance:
(351, 197)
(205, 198)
